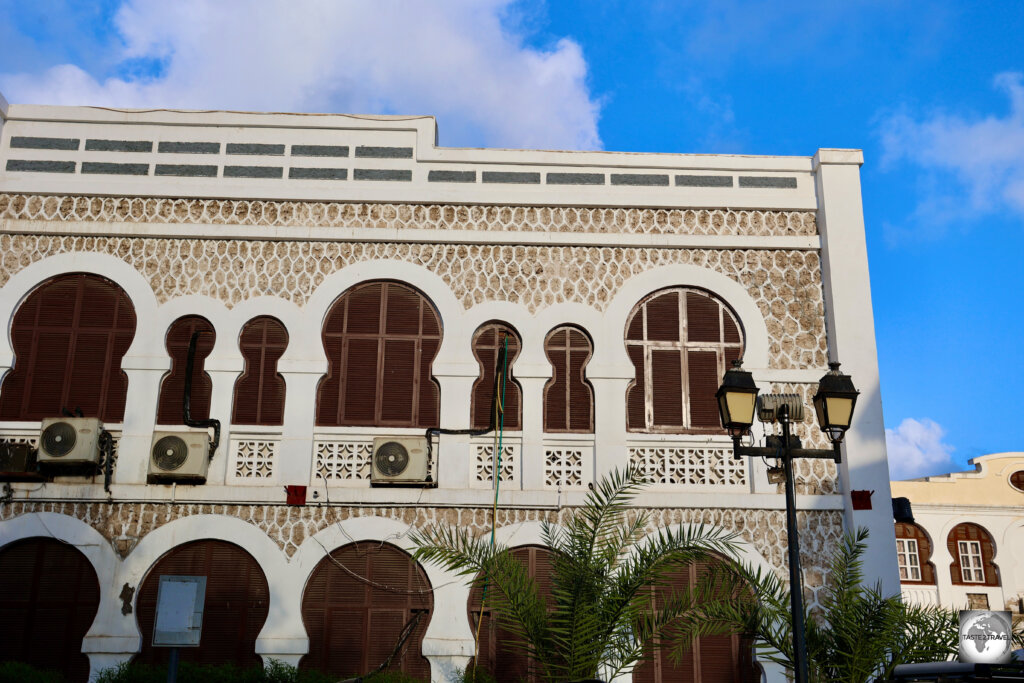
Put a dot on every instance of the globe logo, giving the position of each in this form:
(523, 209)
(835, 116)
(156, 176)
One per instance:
(985, 637)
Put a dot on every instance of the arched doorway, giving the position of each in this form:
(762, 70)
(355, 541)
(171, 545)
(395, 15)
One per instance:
(497, 656)
(710, 659)
(237, 603)
(367, 604)
(48, 602)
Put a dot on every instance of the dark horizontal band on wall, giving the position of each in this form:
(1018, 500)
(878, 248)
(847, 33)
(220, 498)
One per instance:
(114, 169)
(703, 181)
(187, 170)
(253, 172)
(253, 148)
(640, 179)
(575, 178)
(381, 174)
(66, 144)
(318, 173)
(384, 152)
(118, 146)
(35, 166)
(511, 177)
(754, 181)
(451, 177)
(319, 150)
(189, 147)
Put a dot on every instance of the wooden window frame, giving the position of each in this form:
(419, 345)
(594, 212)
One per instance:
(583, 384)
(512, 385)
(913, 532)
(16, 391)
(683, 347)
(908, 558)
(339, 366)
(201, 403)
(980, 545)
(972, 561)
(263, 348)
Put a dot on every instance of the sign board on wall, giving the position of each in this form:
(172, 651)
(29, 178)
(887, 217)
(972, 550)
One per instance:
(179, 611)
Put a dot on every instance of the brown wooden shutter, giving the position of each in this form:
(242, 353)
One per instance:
(260, 390)
(710, 659)
(355, 612)
(924, 551)
(69, 337)
(972, 532)
(381, 339)
(498, 654)
(568, 397)
(488, 345)
(1017, 480)
(48, 602)
(236, 607)
(689, 338)
(172, 390)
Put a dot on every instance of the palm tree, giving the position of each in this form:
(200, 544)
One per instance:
(858, 636)
(598, 618)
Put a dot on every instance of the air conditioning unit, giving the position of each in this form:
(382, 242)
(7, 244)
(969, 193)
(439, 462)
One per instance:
(400, 460)
(70, 441)
(179, 456)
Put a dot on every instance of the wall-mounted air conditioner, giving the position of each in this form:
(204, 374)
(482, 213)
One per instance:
(18, 462)
(400, 460)
(179, 457)
(68, 441)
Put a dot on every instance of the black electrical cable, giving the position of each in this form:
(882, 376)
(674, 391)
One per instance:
(187, 399)
(107, 449)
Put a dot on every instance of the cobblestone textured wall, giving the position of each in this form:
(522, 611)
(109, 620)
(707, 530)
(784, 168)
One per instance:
(398, 216)
(785, 284)
(813, 475)
(124, 524)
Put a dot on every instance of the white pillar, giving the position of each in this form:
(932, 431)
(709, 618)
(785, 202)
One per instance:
(453, 457)
(144, 376)
(851, 341)
(610, 434)
(223, 376)
(295, 457)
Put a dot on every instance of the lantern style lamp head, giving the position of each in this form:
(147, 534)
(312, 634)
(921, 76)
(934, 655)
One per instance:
(737, 398)
(834, 403)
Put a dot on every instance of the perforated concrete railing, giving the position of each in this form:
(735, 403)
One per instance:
(485, 462)
(254, 458)
(568, 465)
(689, 466)
(342, 460)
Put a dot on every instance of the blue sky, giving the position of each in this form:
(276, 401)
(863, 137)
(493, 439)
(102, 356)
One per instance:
(932, 92)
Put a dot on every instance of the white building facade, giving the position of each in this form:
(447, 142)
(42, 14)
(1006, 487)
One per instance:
(965, 547)
(276, 236)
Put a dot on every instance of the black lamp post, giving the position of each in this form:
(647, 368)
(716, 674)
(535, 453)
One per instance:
(834, 403)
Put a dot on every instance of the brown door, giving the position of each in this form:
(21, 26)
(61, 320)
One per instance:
(49, 599)
(710, 659)
(237, 603)
(499, 654)
(357, 604)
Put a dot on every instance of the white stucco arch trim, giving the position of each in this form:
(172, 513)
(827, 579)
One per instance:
(112, 268)
(951, 524)
(755, 332)
(531, 361)
(66, 529)
(162, 540)
(519, 534)
(225, 347)
(303, 341)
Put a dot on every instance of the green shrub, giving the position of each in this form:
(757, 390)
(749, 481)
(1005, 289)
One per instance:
(391, 677)
(19, 672)
(275, 672)
(474, 674)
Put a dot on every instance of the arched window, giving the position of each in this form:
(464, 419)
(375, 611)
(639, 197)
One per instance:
(568, 396)
(356, 604)
(49, 601)
(488, 349)
(69, 337)
(972, 550)
(172, 390)
(499, 655)
(380, 339)
(236, 606)
(709, 659)
(259, 392)
(680, 341)
(913, 550)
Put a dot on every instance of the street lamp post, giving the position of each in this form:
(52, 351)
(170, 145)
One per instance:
(834, 403)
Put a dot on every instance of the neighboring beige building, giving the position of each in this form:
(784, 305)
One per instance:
(352, 280)
(966, 545)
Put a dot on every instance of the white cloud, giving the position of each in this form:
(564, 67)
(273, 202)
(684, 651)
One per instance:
(983, 156)
(456, 59)
(916, 449)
